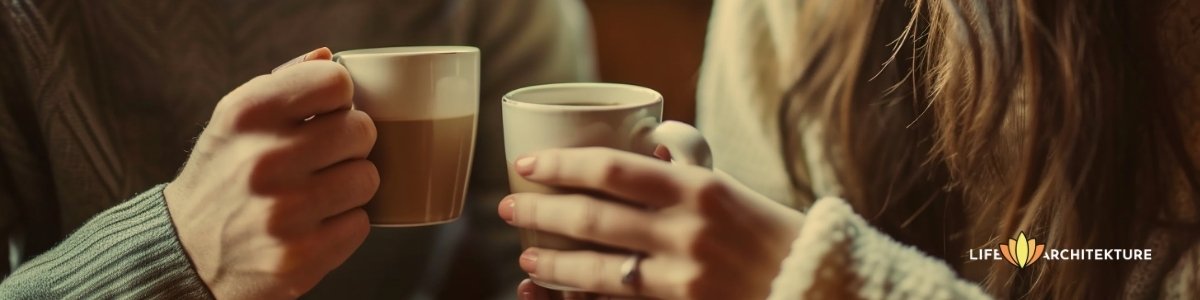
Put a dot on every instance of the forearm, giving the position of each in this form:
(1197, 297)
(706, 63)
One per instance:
(838, 255)
(128, 251)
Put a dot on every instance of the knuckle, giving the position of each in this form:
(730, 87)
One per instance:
(598, 268)
(360, 225)
(690, 238)
(552, 157)
(333, 77)
(701, 244)
(235, 108)
(277, 223)
(589, 216)
(357, 184)
(264, 171)
(247, 91)
(611, 170)
(360, 218)
(365, 123)
(360, 126)
(529, 213)
(371, 180)
(655, 232)
(229, 112)
(711, 190)
(548, 260)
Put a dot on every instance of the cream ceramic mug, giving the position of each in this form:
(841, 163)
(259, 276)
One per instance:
(424, 102)
(568, 115)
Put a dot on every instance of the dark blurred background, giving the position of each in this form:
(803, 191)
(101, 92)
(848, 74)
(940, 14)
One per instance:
(653, 43)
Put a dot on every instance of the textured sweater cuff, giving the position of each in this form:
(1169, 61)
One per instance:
(838, 255)
(128, 251)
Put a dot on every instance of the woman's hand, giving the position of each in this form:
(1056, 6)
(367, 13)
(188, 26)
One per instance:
(702, 234)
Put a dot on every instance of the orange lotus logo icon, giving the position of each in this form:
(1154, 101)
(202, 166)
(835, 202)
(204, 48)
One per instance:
(1021, 252)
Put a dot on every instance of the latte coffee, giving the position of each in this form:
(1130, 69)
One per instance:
(423, 167)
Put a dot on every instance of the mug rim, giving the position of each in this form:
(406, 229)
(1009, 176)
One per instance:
(404, 51)
(510, 101)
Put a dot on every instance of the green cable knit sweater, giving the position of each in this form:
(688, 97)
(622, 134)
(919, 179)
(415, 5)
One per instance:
(135, 238)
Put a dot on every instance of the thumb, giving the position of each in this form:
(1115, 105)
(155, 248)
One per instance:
(318, 54)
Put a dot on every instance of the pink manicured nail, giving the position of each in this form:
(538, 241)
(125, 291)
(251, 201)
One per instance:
(507, 209)
(319, 53)
(525, 165)
(528, 260)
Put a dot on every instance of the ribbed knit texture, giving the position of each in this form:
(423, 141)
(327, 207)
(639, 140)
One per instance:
(130, 251)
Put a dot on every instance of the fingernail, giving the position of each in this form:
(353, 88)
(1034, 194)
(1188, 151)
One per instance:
(525, 165)
(661, 152)
(527, 296)
(507, 209)
(528, 260)
(319, 53)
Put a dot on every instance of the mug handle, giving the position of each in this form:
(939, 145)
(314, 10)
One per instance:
(685, 142)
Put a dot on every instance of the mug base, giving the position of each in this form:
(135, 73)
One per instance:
(555, 286)
(399, 225)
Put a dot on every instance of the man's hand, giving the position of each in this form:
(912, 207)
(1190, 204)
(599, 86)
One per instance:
(270, 200)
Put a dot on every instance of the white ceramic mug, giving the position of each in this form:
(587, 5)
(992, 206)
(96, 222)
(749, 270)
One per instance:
(424, 102)
(567, 115)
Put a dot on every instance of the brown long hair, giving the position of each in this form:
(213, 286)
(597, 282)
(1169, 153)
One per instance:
(1048, 117)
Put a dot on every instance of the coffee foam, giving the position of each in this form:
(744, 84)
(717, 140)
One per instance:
(414, 83)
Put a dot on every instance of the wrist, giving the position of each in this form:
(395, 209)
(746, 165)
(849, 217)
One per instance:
(174, 199)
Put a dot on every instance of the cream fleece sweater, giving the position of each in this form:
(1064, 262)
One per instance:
(837, 255)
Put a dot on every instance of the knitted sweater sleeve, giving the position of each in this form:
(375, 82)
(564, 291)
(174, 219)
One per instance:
(839, 256)
(130, 251)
